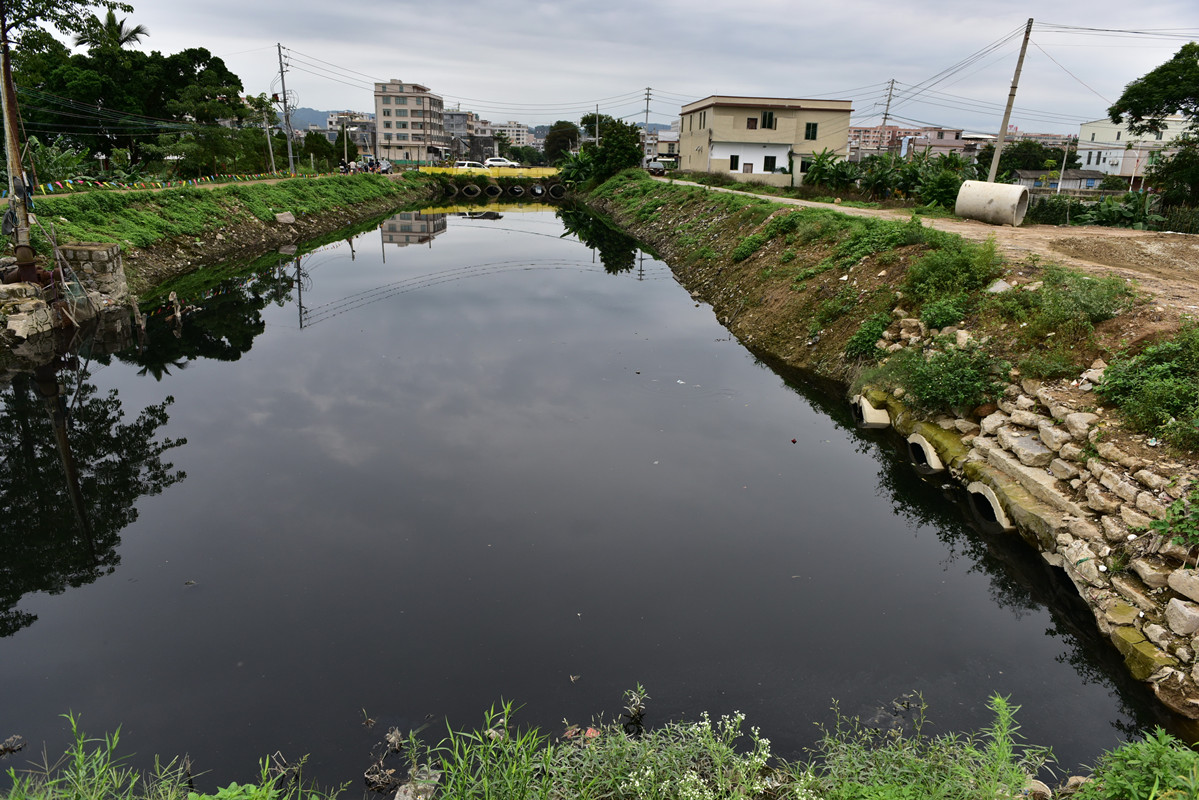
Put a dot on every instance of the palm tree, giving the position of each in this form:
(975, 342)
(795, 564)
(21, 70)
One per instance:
(109, 33)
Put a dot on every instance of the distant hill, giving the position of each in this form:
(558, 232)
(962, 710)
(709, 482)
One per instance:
(301, 118)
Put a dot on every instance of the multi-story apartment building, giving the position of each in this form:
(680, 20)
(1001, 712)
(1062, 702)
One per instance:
(359, 128)
(470, 136)
(1112, 149)
(410, 123)
(877, 139)
(770, 139)
(517, 132)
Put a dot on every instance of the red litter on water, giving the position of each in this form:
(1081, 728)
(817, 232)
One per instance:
(792, 441)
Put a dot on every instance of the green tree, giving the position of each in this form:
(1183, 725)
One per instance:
(1176, 177)
(110, 33)
(502, 145)
(563, 136)
(619, 147)
(1027, 154)
(319, 149)
(1172, 88)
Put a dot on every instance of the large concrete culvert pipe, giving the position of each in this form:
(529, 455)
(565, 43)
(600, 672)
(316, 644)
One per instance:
(557, 191)
(470, 190)
(996, 203)
(493, 191)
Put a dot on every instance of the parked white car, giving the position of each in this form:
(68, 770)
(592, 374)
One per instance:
(499, 162)
(468, 165)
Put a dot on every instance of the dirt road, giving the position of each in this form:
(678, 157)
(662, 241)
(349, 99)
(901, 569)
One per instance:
(1165, 265)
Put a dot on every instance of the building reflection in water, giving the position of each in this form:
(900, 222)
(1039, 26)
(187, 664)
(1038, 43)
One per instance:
(412, 227)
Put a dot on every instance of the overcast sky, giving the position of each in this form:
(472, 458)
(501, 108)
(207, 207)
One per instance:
(537, 62)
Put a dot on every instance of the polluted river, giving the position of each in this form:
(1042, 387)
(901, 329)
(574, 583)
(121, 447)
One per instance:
(465, 457)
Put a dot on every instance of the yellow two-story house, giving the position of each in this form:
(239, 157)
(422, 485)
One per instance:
(768, 139)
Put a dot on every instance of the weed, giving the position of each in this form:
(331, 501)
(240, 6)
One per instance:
(748, 246)
(787, 257)
(856, 762)
(940, 381)
(837, 306)
(945, 311)
(952, 270)
(1158, 390)
(864, 342)
(1181, 523)
(1158, 766)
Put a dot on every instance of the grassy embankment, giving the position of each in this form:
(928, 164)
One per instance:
(817, 290)
(704, 760)
(171, 231)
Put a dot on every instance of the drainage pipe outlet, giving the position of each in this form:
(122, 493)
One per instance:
(985, 504)
(923, 454)
(866, 415)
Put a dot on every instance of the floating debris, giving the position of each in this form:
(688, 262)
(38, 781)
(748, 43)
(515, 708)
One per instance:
(12, 744)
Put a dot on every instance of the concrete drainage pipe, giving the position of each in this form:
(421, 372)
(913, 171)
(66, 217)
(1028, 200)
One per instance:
(470, 190)
(996, 203)
(924, 455)
(516, 190)
(557, 191)
(986, 506)
(866, 415)
(493, 190)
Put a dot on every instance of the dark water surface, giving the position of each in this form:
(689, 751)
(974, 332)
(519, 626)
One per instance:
(482, 466)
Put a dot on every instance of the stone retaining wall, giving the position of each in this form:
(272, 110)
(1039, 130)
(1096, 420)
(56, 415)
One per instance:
(1086, 505)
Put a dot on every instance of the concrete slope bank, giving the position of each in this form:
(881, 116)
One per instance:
(170, 232)
(1043, 460)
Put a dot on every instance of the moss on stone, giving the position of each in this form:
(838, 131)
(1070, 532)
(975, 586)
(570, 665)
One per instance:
(1140, 656)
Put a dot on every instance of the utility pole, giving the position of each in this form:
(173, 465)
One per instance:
(270, 146)
(887, 114)
(646, 129)
(291, 161)
(597, 141)
(1061, 176)
(18, 187)
(1011, 100)
(345, 142)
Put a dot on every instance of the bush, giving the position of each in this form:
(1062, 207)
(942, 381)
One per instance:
(941, 188)
(941, 381)
(1055, 209)
(955, 268)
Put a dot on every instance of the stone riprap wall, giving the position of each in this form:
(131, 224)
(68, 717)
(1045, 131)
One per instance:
(99, 268)
(1040, 459)
(24, 309)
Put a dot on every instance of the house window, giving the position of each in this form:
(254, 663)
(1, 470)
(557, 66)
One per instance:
(386, 100)
(1159, 136)
(703, 118)
(690, 122)
(751, 124)
(401, 112)
(940, 134)
(768, 120)
(403, 137)
(402, 101)
(670, 149)
(398, 124)
(734, 162)
(387, 136)
(1092, 136)
(1090, 183)
(809, 130)
(1088, 158)
(768, 163)
(387, 112)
